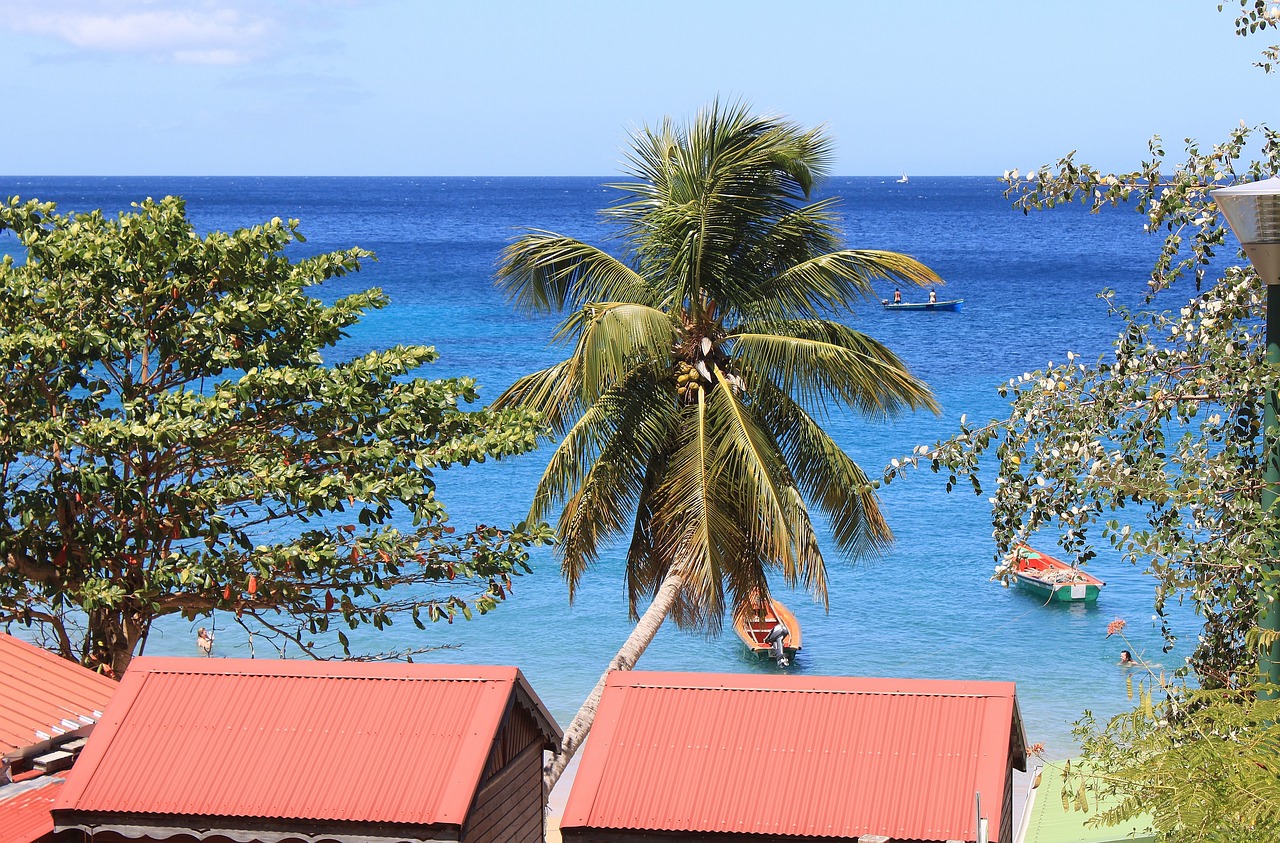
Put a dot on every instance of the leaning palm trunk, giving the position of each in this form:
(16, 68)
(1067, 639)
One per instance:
(627, 656)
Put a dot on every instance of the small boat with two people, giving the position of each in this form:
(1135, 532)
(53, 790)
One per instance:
(931, 304)
(1051, 578)
(951, 304)
(769, 629)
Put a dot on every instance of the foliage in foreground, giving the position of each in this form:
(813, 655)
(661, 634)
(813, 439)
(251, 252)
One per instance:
(172, 442)
(1201, 763)
(1156, 451)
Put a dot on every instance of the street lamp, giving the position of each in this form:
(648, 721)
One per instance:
(1253, 212)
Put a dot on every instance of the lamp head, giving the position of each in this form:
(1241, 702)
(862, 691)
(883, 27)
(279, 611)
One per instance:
(1253, 212)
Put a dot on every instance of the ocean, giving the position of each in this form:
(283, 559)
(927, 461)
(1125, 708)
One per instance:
(928, 608)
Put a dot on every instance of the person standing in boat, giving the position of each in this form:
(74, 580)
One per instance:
(933, 297)
(897, 297)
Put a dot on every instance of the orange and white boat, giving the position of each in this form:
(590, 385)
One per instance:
(770, 630)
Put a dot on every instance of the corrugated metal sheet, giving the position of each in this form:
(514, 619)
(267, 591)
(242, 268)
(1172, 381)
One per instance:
(24, 809)
(43, 696)
(1047, 820)
(793, 755)
(400, 743)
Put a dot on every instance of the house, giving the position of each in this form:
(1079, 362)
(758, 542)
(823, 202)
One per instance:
(1049, 818)
(741, 758)
(48, 705)
(270, 750)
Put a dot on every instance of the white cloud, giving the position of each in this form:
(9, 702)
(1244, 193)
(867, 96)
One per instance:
(209, 32)
(208, 57)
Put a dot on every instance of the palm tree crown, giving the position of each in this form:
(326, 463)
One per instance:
(702, 357)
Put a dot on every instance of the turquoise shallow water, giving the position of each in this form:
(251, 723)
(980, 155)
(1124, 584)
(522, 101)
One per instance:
(928, 608)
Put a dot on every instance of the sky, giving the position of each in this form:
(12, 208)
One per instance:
(558, 87)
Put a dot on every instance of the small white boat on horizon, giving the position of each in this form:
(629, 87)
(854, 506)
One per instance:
(904, 179)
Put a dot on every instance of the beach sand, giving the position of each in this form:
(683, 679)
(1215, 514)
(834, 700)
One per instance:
(560, 795)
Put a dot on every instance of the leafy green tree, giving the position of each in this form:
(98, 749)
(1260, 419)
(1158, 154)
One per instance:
(688, 410)
(1156, 450)
(171, 442)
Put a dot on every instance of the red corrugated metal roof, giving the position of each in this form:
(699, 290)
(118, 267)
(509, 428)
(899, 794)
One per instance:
(400, 743)
(795, 755)
(24, 809)
(43, 696)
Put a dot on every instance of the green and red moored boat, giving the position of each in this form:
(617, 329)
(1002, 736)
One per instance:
(1051, 578)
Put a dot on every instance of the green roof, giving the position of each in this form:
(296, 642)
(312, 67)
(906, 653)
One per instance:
(1047, 821)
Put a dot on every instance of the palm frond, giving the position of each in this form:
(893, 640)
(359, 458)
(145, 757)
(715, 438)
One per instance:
(646, 567)
(815, 360)
(828, 478)
(600, 466)
(616, 337)
(613, 340)
(693, 527)
(756, 484)
(553, 392)
(543, 272)
(828, 284)
(747, 582)
(751, 477)
(707, 197)
(810, 568)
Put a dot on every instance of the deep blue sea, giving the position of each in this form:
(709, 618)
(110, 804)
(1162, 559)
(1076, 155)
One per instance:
(929, 608)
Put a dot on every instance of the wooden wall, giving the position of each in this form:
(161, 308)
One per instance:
(508, 806)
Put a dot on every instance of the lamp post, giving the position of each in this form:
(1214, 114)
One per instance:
(1253, 212)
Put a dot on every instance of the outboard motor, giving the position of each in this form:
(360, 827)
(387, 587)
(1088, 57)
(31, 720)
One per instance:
(774, 640)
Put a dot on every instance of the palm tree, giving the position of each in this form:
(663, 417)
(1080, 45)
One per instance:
(686, 411)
